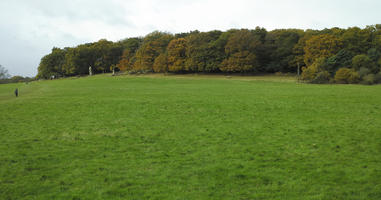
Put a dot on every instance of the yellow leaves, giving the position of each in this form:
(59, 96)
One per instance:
(315, 73)
(241, 48)
(346, 75)
(321, 46)
(176, 54)
(160, 64)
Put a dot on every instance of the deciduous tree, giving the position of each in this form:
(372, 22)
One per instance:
(202, 53)
(52, 64)
(363, 61)
(161, 63)
(240, 50)
(130, 46)
(321, 46)
(176, 55)
(153, 45)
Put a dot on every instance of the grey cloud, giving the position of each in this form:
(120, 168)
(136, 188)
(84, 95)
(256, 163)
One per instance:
(30, 28)
(105, 11)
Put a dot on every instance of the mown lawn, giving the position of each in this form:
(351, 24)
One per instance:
(131, 137)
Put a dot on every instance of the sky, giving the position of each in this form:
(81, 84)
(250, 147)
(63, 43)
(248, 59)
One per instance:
(29, 29)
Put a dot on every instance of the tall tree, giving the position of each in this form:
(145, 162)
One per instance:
(363, 61)
(106, 54)
(176, 55)
(240, 50)
(280, 49)
(130, 46)
(153, 45)
(79, 59)
(161, 63)
(52, 64)
(356, 40)
(321, 46)
(202, 53)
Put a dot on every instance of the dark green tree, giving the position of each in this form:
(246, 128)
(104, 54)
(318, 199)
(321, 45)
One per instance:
(363, 61)
(280, 50)
(52, 64)
(202, 53)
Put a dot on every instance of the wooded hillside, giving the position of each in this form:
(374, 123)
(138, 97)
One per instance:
(318, 53)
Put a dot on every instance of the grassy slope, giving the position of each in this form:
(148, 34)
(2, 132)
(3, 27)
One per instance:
(189, 138)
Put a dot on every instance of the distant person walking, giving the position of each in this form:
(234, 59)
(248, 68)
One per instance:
(17, 92)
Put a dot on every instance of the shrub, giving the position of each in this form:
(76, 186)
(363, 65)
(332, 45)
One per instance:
(346, 75)
(315, 73)
(308, 73)
(321, 77)
(369, 79)
(332, 81)
(354, 77)
(377, 77)
(341, 75)
(363, 71)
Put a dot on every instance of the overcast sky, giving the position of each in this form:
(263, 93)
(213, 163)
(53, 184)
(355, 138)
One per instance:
(30, 28)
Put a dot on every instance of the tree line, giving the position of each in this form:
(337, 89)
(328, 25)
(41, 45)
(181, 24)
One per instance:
(5, 77)
(349, 55)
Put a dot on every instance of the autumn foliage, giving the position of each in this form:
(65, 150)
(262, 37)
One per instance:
(346, 75)
(318, 54)
(241, 52)
(176, 55)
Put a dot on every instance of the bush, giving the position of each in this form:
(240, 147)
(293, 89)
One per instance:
(377, 77)
(369, 79)
(315, 73)
(354, 77)
(363, 72)
(308, 73)
(346, 75)
(321, 77)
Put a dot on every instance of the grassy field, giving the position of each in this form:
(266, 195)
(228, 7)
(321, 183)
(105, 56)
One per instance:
(189, 137)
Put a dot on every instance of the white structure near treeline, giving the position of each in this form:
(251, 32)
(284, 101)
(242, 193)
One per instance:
(90, 71)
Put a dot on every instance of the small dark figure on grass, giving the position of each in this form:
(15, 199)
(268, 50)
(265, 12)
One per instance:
(17, 92)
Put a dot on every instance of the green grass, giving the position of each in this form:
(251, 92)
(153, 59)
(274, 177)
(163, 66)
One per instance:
(189, 137)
